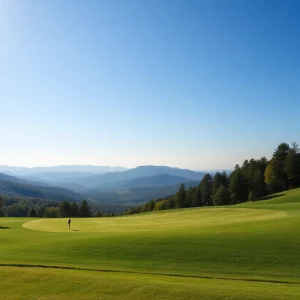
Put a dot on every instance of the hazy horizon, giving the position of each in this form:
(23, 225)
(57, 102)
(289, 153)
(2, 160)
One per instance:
(107, 166)
(199, 85)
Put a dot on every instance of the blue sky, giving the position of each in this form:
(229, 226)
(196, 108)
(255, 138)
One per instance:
(193, 84)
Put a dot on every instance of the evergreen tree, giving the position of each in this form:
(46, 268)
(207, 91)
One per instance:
(181, 197)
(64, 209)
(190, 195)
(41, 211)
(206, 190)
(278, 165)
(99, 214)
(74, 210)
(238, 187)
(225, 179)
(257, 188)
(292, 166)
(198, 198)
(151, 205)
(222, 196)
(171, 201)
(217, 181)
(1, 206)
(262, 164)
(32, 213)
(85, 210)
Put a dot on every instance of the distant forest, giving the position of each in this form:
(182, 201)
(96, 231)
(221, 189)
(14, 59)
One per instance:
(252, 181)
(24, 207)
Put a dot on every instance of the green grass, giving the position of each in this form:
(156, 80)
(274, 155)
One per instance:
(249, 251)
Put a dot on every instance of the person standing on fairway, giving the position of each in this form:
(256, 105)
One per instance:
(69, 223)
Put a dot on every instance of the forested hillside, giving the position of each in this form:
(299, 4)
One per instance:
(251, 181)
(26, 189)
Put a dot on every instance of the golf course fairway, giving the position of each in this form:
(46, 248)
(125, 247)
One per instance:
(247, 251)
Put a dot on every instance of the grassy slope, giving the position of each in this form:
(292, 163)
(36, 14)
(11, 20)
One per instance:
(253, 241)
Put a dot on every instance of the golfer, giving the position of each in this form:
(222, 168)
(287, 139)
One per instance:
(69, 223)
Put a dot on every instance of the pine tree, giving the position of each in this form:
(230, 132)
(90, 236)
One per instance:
(238, 187)
(225, 179)
(257, 188)
(190, 195)
(221, 196)
(278, 165)
(198, 198)
(41, 211)
(292, 166)
(99, 214)
(74, 210)
(206, 190)
(85, 210)
(1, 206)
(180, 197)
(32, 213)
(64, 209)
(217, 181)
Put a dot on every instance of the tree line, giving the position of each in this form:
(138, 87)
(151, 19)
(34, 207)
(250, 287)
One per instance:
(24, 207)
(251, 181)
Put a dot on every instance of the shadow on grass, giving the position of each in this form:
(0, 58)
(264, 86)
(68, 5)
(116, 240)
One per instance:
(269, 197)
(74, 229)
(4, 227)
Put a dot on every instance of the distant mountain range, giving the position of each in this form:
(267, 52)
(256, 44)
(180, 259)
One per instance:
(108, 180)
(114, 187)
(75, 168)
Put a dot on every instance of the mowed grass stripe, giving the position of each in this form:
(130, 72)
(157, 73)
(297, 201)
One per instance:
(55, 284)
(152, 274)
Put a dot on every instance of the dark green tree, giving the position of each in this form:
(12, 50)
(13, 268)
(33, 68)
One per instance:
(190, 195)
(64, 209)
(198, 198)
(225, 179)
(180, 197)
(41, 211)
(238, 187)
(85, 210)
(278, 165)
(222, 196)
(206, 190)
(32, 213)
(74, 210)
(292, 166)
(151, 205)
(1, 206)
(99, 214)
(257, 186)
(217, 181)
(172, 201)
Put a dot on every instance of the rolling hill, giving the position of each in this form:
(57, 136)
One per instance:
(153, 181)
(13, 186)
(115, 178)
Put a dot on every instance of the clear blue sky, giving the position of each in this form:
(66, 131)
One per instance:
(195, 84)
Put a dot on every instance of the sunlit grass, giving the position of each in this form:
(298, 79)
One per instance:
(257, 241)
